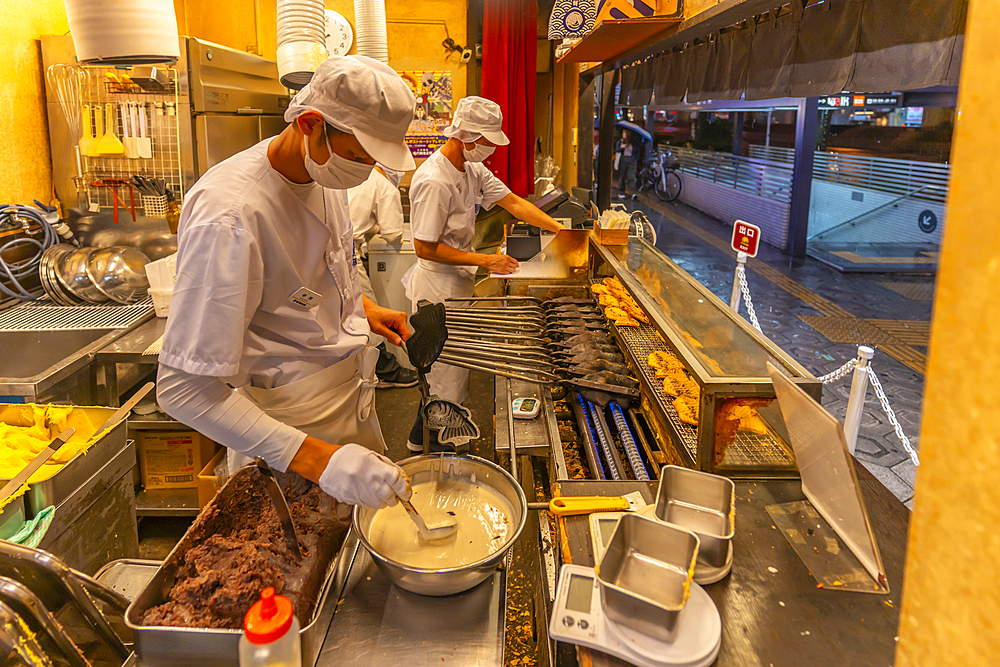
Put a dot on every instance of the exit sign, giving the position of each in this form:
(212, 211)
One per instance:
(746, 238)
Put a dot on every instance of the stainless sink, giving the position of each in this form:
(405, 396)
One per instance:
(33, 361)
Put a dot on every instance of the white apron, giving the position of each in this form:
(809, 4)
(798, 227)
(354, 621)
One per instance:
(435, 282)
(336, 405)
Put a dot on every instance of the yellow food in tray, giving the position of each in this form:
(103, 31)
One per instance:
(660, 359)
(746, 418)
(687, 409)
(599, 289)
(614, 285)
(29, 428)
(635, 312)
(615, 313)
(608, 301)
(626, 322)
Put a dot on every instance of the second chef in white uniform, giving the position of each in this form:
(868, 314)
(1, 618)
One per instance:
(446, 193)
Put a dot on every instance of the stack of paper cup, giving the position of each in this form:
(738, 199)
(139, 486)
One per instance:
(369, 19)
(162, 273)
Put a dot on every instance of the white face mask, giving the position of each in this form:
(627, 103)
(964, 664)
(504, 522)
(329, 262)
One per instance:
(479, 153)
(337, 173)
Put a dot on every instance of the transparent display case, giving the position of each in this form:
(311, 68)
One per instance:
(737, 429)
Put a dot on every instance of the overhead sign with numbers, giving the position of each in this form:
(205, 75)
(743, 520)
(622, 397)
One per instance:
(746, 238)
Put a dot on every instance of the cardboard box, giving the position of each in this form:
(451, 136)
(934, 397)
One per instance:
(208, 482)
(172, 459)
(610, 237)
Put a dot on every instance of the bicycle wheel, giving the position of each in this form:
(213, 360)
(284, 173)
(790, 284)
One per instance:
(673, 187)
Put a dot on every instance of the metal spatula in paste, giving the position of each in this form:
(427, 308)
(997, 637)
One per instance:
(280, 506)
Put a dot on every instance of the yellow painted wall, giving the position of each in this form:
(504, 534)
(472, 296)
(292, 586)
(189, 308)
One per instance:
(26, 171)
(951, 597)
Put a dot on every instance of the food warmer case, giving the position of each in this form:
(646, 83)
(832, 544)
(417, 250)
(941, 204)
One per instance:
(739, 431)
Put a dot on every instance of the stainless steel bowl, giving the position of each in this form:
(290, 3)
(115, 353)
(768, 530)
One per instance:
(448, 581)
(119, 273)
(71, 271)
(46, 273)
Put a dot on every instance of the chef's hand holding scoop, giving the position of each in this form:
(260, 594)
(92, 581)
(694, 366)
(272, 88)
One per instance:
(358, 476)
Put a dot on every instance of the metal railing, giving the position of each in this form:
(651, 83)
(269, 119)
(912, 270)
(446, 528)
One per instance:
(853, 222)
(898, 177)
(764, 178)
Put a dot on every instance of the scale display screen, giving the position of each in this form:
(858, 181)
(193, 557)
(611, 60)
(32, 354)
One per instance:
(608, 529)
(581, 590)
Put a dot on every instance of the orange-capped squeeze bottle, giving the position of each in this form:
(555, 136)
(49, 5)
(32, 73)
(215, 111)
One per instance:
(270, 633)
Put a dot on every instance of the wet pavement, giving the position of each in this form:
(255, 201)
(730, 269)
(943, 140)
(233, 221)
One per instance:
(819, 316)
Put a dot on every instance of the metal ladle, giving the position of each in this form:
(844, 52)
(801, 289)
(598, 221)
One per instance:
(439, 530)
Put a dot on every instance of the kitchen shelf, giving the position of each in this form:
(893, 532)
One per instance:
(616, 36)
(166, 502)
(154, 422)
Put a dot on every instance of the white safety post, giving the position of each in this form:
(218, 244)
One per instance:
(734, 300)
(856, 402)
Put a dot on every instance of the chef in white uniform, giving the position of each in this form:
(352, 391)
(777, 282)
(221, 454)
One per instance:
(376, 209)
(267, 297)
(446, 193)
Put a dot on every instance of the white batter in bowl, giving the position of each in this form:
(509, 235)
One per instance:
(480, 493)
(483, 517)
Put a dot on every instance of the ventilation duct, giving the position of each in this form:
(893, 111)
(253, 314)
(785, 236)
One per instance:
(369, 22)
(301, 41)
(123, 32)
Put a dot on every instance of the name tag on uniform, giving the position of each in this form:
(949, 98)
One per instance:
(304, 299)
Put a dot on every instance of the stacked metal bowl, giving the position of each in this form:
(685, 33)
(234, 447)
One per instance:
(72, 276)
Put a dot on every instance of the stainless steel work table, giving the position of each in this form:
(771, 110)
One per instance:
(378, 624)
(782, 618)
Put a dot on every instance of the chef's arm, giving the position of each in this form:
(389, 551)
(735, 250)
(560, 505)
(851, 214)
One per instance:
(350, 473)
(442, 253)
(522, 209)
(210, 406)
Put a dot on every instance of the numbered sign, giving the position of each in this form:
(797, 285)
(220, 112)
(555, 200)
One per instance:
(746, 238)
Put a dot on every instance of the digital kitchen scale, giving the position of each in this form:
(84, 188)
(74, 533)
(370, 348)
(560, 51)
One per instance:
(578, 618)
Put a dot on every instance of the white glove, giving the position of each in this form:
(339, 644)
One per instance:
(358, 476)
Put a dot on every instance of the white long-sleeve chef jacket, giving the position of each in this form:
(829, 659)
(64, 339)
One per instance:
(266, 294)
(376, 208)
(443, 200)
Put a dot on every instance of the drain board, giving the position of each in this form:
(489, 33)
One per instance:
(45, 316)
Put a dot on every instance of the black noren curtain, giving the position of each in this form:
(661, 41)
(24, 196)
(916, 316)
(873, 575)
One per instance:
(825, 46)
(907, 44)
(772, 56)
(670, 77)
(642, 85)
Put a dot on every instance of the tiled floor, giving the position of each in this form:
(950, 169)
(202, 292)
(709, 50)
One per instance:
(889, 311)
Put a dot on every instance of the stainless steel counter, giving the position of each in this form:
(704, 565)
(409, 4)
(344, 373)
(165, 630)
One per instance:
(378, 624)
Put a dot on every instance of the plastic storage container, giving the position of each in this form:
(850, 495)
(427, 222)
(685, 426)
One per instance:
(270, 633)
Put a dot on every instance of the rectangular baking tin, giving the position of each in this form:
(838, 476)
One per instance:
(160, 646)
(703, 503)
(645, 575)
(76, 472)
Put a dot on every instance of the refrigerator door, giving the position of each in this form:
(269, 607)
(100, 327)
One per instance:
(224, 80)
(221, 137)
(270, 126)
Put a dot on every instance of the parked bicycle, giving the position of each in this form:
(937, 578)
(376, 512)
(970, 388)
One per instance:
(660, 175)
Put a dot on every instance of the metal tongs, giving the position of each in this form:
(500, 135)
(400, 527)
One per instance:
(280, 506)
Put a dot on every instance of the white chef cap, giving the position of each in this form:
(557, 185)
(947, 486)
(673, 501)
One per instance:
(363, 97)
(480, 117)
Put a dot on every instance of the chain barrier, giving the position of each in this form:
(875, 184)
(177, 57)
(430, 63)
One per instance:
(892, 416)
(741, 272)
(840, 373)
